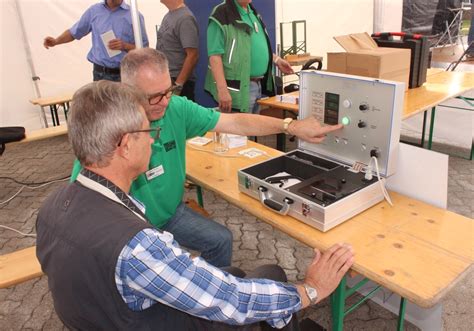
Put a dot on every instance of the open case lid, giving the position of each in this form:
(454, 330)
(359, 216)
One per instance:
(369, 108)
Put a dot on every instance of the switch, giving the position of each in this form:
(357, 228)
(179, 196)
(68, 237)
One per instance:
(345, 120)
(346, 103)
(363, 107)
(361, 124)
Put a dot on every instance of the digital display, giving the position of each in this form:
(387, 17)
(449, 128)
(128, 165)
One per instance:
(331, 108)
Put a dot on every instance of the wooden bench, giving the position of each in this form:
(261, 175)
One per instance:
(45, 133)
(22, 265)
(19, 267)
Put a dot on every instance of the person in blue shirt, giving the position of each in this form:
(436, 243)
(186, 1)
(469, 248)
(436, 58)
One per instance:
(104, 17)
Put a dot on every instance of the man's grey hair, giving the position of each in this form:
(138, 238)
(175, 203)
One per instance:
(101, 113)
(140, 58)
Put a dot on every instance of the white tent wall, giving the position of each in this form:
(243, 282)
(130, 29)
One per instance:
(16, 86)
(64, 68)
(388, 15)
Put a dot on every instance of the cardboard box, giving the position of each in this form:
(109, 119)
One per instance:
(364, 58)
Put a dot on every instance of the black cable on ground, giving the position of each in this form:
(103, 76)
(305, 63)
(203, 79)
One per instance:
(33, 184)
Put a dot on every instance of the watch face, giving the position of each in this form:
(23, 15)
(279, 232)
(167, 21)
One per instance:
(312, 293)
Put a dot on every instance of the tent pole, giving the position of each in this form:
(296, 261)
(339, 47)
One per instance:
(137, 32)
(29, 59)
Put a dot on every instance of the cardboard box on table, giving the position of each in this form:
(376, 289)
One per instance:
(364, 58)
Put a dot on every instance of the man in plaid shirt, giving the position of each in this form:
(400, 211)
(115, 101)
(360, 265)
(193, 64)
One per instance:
(108, 268)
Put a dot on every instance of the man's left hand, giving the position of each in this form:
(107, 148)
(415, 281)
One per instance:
(284, 66)
(310, 130)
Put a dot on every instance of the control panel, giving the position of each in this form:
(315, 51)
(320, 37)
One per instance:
(369, 110)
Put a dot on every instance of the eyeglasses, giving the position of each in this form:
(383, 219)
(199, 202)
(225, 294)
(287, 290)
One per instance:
(155, 136)
(156, 98)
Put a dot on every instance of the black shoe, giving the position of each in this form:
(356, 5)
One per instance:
(309, 325)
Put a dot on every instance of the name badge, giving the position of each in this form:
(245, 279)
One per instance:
(155, 172)
(255, 25)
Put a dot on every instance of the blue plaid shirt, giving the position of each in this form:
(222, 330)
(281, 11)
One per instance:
(153, 268)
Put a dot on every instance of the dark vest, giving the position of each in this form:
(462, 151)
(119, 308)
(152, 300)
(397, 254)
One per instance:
(80, 234)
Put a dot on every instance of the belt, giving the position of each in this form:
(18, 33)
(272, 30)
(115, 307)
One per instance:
(105, 70)
(256, 79)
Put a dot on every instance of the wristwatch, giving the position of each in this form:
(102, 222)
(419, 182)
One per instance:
(286, 124)
(312, 293)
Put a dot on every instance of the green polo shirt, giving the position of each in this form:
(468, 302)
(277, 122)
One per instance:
(162, 190)
(259, 55)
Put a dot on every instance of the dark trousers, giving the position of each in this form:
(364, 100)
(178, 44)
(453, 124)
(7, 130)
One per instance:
(105, 76)
(188, 89)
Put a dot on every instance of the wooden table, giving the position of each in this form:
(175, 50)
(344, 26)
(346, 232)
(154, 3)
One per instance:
(416, 250)
(439, 87)
(53, 103)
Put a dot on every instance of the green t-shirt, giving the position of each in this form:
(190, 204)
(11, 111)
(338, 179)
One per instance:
(162, 192)
(259, 54)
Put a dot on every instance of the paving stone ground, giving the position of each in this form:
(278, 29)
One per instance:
(29, 306)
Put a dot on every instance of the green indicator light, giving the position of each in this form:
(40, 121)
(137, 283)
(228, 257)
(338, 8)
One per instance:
(345, 120)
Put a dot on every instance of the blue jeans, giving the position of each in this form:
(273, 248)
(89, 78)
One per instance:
(103, 76)
(255, 93)
(198, 233)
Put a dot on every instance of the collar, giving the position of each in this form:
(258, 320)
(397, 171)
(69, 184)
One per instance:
(241, 10)
(102, 185)
(183, 5)
(123, 5)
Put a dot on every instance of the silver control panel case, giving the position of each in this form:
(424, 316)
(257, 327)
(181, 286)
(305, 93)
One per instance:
(320, 184)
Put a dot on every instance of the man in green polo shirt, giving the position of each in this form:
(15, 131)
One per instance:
(161, 188)
(240, 57)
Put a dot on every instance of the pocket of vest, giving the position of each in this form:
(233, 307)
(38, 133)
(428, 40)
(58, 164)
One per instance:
(233, 85)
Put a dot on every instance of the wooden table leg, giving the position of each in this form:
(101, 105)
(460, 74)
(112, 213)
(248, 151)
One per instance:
(401, 314)
(430, 137)
(199, 196)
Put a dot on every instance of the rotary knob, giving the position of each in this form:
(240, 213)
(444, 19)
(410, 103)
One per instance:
(363, 107)
(361, 124)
